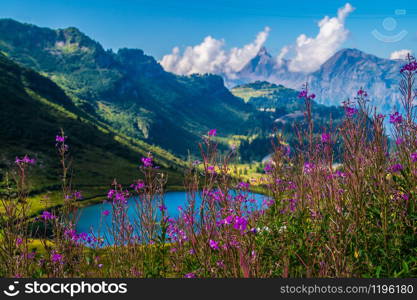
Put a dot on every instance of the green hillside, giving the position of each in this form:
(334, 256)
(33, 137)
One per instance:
(284, 109)
(32, 111)
(129, 93)
(281, 100)
(129, 90)
(260, 90)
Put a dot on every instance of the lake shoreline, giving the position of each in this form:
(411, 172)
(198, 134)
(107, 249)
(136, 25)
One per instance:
(97, 218)
(99, 198)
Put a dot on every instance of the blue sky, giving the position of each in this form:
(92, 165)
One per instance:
(158, 26)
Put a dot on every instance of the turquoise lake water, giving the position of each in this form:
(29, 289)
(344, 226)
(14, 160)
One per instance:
(91, 218)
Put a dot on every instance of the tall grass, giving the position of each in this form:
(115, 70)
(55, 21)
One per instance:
(328, 213)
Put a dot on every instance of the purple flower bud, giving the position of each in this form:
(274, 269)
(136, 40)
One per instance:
(399, 141)
(212, 132)
(190, 275)
(162, 208)
(268, 168)
(243, 186)
(147, 162)
(308, 167)
(325, 137)
(410, 67)
(350, 111)
(302, 94)
(240, 223)
(214, 245)
(57, 258)
(78, 195)
(211, 170)
(19, 241)
(60, 139)
(395, 118)
(25, 160)
(137, 186)
(396, 168)
(363, 93)
(46, 215)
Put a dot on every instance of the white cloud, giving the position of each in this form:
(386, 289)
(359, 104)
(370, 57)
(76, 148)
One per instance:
(239, 57)
(207, 57)
(282, 54)
(400, 54)
(310, 52)
(210, 57)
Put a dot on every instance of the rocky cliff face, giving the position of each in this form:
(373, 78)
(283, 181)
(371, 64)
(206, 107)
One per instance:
(349, 70)
(337, 79)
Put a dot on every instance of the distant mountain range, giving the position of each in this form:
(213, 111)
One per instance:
(339, 78)
(129, 96)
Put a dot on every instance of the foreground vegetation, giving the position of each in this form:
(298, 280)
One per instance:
(355, 220)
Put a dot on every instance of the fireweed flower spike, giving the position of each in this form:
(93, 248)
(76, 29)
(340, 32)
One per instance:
(147, 162)
(325, 137)
(19, 241)
(303, 94)
(137, 186)
(111, 193)
(190, 275)
(268, 168)
(60, 143)
(211, 170)
(162, 208)
(46, 215)
(350, 111)
(60, 139)
(308, 167)
(77, 195)
(410, 67)
(399, 141)
(240, 223)
(395, 118)
(25, 160)
(396, 168)
(362, 93)
(57, 258)
(212, 132)
(118, 197)
(214, 245)
(243, 185)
